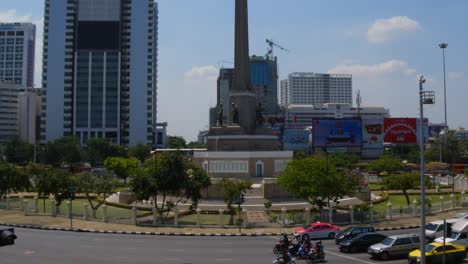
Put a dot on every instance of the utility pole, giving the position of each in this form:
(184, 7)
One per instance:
(425, 97)
(443, 46)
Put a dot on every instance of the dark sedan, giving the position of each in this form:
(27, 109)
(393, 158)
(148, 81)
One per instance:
(361, 242)
(351, 232)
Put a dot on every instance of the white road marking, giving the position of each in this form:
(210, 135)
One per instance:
(348, 257)
(176, 250)
(223, 259)
(29, 252)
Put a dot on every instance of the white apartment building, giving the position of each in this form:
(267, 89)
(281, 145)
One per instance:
(461, 134)
(316, 89)
(19, 112)
(17, 48)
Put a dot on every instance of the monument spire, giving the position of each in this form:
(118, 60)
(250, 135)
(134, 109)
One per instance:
(241, 52)
(243, 100)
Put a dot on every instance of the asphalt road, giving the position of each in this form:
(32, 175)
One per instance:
(54, 247)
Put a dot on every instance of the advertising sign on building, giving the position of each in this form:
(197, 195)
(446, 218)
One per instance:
(372, 133)
(278, 131)
(337, 133)
(296, 140)
(400, 130)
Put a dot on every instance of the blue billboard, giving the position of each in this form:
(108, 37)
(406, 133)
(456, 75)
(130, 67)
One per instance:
(337, 133)
(296, 140)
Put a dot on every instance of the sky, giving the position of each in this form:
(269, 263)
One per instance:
(384, 44)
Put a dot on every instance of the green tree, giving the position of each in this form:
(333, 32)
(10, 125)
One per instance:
(197, 181)
(140, 152)
(386, 163)
(13, 179)
(314, 181)
(63, 150)
(232, 189)
(196, 145)
(344, 161)
(96, 188)
(175, 142)
(466, 172)
(166, 180)
(99, 149)
(56, 182)
(403, 182)
(18, 151)
(122, 167)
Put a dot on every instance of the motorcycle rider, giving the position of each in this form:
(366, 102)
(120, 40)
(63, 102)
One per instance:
(285, 247)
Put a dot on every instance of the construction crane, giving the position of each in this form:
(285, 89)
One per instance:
(271, 45)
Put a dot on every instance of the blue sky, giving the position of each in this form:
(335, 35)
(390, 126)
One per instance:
(384, 44)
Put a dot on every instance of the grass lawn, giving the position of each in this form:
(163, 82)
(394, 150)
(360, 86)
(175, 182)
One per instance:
(400, 200)
(78, 208)
(206, 219)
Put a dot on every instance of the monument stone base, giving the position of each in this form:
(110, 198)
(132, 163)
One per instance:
(234, 138)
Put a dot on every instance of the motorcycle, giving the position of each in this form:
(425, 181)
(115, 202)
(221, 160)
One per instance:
(317, 254)
(279, 260)
(277, 247)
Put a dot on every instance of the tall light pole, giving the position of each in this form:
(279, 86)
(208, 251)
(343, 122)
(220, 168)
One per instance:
(443, 46)
(425, 97)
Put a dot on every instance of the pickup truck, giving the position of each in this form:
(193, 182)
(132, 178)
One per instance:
(7, 237)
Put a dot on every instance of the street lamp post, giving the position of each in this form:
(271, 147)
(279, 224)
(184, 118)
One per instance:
(425, 97)
(443, 46)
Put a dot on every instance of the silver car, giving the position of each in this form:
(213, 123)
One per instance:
(399, 245)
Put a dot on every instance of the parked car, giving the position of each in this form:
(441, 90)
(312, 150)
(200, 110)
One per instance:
(462, 215)
(459, 231)
(318, 230)
(399, 245)
(351, 232)
(434, 251)
(7, 237)
(361, 242)
(436, 228)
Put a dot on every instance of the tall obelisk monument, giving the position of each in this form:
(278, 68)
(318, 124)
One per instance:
(241, 94)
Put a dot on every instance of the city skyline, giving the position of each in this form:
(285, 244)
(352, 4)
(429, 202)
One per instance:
(383, 46)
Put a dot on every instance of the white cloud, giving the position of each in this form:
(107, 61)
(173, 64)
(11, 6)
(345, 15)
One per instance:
(209, 72)
(12, 15)
(387, 67)
(387, 29)
(456, 75)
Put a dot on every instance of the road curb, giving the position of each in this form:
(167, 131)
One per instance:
(79, 230)
(396, 228)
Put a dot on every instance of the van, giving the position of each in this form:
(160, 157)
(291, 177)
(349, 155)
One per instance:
(436, 228)
(459, 231)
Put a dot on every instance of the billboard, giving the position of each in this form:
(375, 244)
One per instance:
(295, 140)
(337, 133)
(372, 133)
(278, 131)
(400, 130)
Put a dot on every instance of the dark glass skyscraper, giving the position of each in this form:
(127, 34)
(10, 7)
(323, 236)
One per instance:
(99, 77)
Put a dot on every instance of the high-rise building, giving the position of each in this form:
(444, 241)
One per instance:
(17, 47)
(19, 112)
(316, 89)
(264, 81)
(100, 70)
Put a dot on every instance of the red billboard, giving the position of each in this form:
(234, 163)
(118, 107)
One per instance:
(400, 130)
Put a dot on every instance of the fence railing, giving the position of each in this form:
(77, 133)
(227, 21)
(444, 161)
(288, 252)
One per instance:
(81, 209)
